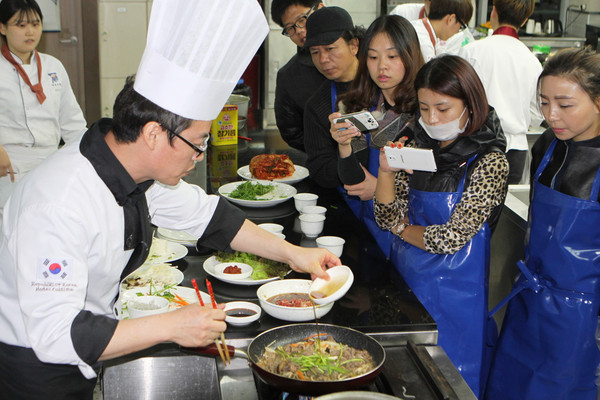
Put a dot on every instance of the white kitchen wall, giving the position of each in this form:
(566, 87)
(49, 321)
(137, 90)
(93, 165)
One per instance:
(279, 49)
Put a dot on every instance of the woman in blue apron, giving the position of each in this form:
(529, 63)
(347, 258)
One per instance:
(441, 220)
(387, 65)
(547, 348)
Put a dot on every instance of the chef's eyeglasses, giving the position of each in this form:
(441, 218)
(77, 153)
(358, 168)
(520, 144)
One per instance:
(300, 23)
(463, 26)
(198, 150)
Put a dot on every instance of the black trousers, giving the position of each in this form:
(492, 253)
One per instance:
(24, 376)
(516, 164)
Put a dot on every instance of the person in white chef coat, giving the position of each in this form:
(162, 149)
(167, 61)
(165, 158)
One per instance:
(444, 20)
(509, 73)
(37, 102)
(82, 221)
(412, 11)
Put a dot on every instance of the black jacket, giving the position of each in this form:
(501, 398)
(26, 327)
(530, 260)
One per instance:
(296, 82)
(573, 165)
(451, 159)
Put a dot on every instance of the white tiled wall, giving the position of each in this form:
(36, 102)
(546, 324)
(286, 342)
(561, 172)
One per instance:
(279, 49)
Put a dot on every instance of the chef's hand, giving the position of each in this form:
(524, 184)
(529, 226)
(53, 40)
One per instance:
(196, 326)
(342, 132)
(366, 189)
(5, 165)
(383, 163)
(313, 261)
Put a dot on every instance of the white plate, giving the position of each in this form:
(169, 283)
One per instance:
(281, 193)
(186, 293)
(299, 174)
(148, 270)
(176, 236)
(211, 263)
(175, 251)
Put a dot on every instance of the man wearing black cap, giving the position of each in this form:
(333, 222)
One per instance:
(333, 41)
(298, 79)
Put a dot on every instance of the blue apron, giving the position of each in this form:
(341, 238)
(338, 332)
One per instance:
(364, 209)
(547, 349)
(452, 287)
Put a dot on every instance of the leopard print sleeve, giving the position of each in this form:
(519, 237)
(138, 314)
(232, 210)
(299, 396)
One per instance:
(487, 190)
(389, 215)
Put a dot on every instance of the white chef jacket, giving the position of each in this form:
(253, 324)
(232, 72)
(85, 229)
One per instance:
(410, 11)
(450, 46)
(509, 72)
(62, 252)
(30, 131)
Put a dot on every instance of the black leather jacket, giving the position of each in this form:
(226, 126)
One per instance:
(296, 82)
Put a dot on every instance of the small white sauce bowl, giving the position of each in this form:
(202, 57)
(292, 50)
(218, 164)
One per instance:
(246, 270)
(274, 228)
(143, 306)
(311, 224)
(302, 200)
(241, 320)
(334, 244)
(314, 210)
(340, 280)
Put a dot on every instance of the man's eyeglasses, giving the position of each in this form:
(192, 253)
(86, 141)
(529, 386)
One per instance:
(463, 26)
(300, 23)
(198, 150)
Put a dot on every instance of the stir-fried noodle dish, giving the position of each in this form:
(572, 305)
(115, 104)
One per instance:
(315, 359)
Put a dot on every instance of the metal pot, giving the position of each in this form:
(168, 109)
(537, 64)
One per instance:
(287, 334)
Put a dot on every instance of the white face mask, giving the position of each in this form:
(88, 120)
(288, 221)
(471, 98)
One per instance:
(444, 132)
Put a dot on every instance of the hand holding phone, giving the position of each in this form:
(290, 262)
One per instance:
(362, 120)
(410, 158)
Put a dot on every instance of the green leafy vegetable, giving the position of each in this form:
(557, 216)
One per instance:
(251, 191)
(263, 267)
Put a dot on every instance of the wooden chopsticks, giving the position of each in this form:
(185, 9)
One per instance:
(224, 353)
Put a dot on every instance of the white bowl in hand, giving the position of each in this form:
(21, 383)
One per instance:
(325, 292)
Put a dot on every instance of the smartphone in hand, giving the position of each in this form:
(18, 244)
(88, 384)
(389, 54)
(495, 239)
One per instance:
(363, 120)
(410, 158)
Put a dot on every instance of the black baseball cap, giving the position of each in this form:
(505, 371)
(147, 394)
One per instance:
(326, 25)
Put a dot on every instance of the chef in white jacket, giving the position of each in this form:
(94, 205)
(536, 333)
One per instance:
(37, 102)
(79, 223)
(443, 22)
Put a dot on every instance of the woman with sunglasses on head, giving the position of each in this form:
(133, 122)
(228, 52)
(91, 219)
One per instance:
(442, 220)
(38, 105)
(547, 348)
(388, 62)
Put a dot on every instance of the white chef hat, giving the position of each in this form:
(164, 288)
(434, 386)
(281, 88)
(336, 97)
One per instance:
(196, 52)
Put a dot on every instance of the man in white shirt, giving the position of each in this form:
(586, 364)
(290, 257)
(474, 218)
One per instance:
(444, 20)
(509, 73)
(412, 11)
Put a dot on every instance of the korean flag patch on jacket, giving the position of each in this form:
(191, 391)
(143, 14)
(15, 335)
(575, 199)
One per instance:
(52, 269)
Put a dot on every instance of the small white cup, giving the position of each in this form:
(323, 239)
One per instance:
(334, 244)
(311, 224)
(530, 26)
(143, 306)
(538, 27)
(302, 200)
(314, 210)
(274, 228)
